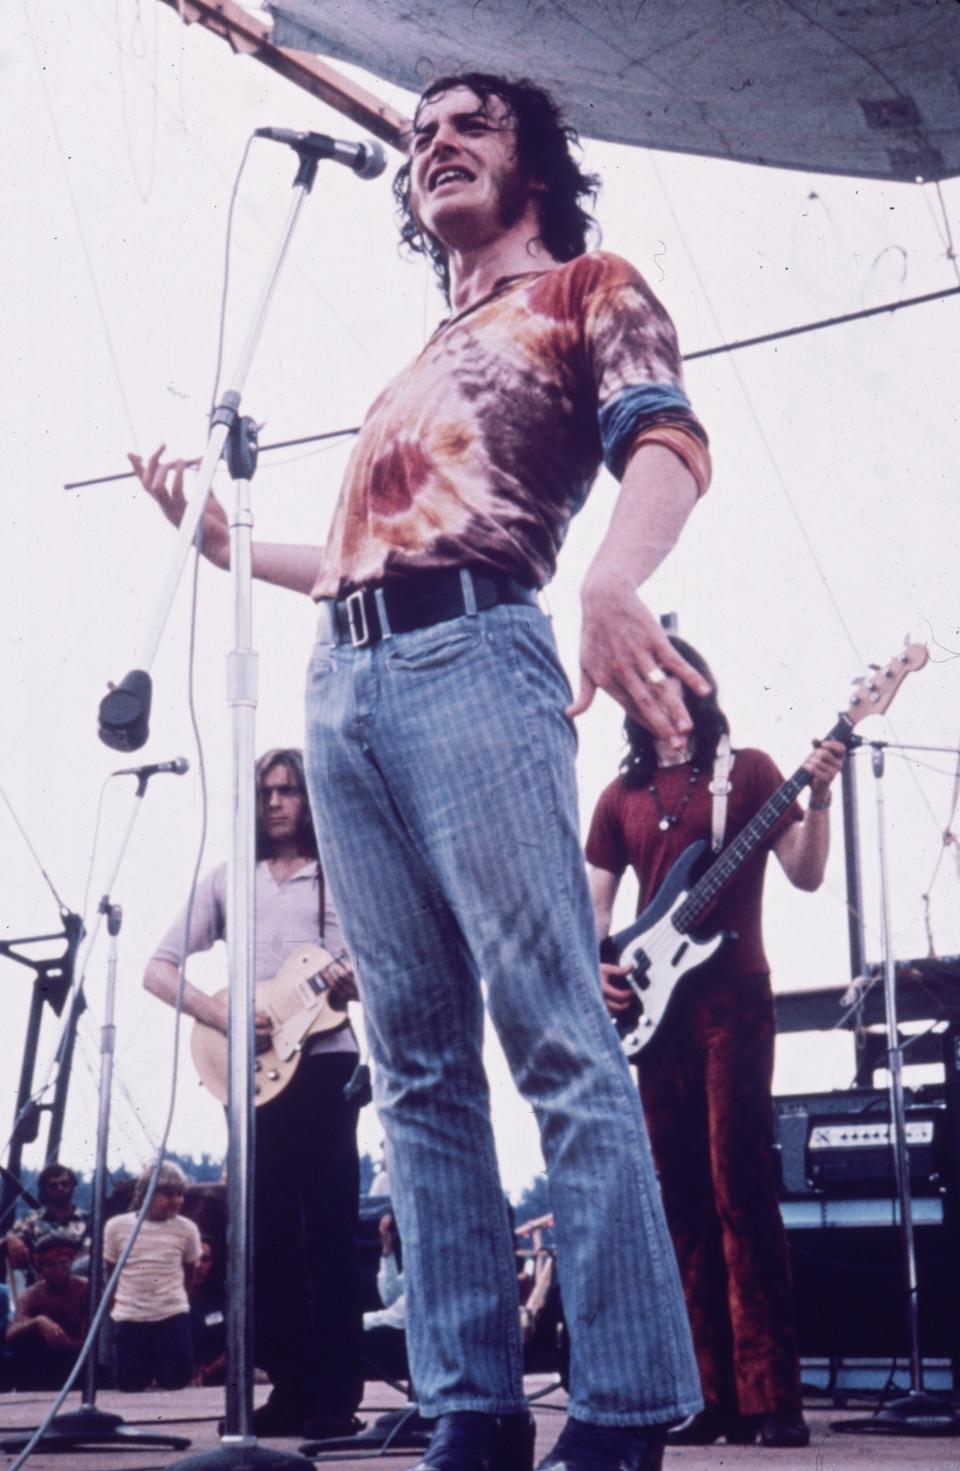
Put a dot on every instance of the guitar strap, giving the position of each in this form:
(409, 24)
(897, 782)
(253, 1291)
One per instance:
(720, 788)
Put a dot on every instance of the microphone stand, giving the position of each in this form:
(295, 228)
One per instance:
(88, 1425)
(917, 1412)
(238, 1449)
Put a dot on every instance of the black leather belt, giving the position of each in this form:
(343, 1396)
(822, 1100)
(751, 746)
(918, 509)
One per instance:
(418, 601)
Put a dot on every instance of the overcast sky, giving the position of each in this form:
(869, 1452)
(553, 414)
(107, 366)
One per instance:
(829, 533)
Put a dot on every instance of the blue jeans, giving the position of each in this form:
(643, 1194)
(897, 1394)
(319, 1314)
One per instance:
(441, 771)
(161, 1350)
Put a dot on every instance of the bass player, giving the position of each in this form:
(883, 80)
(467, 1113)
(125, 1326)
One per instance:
(705, 1079)
(306, 1189)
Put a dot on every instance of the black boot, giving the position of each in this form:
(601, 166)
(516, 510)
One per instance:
(584, 1447)
(784, 1430)
(715, 1423)
(466, 1440)
(280, 1415)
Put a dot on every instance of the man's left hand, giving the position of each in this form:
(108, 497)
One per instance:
(621, 646)
(341, 981)
(824, 763)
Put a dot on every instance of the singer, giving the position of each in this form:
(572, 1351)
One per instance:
(441, 767)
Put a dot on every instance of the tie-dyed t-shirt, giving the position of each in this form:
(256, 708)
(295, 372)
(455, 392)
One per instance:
(481, 451)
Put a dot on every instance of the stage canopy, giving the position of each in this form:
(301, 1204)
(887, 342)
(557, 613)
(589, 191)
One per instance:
(835, 86)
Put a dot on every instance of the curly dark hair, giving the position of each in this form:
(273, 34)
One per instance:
(51, 1172)
(709, 724)
(292, 758)
(545, 144)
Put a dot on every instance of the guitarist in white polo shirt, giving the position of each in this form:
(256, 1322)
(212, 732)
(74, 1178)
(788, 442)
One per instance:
(705, 1076)
(306, 1190)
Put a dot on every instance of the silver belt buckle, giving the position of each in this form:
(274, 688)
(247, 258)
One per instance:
(359, 631)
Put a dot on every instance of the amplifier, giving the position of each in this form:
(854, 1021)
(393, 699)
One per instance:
(840, 1210)
(849, 1286)
(840, 1143)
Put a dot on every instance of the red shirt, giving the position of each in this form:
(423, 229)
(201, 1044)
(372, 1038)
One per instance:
(625, 833)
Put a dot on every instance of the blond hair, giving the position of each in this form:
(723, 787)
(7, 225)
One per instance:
(169, 1177)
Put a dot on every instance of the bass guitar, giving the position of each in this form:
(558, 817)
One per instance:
(659, 947)
(299, 1004)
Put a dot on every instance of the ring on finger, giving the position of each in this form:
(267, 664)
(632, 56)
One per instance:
(655, 675)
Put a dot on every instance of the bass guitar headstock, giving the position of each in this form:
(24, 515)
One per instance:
(874, 692)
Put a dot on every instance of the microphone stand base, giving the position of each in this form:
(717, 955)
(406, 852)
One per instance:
(396, 1430)
(242, 1455)
(916, 1413)
(93, 1427)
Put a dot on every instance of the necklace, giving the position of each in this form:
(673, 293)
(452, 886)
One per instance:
(670, 819)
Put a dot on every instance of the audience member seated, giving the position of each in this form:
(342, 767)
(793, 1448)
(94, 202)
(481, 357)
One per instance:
(380, 1180)
(546, 1346)
(55, 1187)
(390, 1283)
(384, 1342)
(207, 1318)
(151, 1308)
(51, 1318)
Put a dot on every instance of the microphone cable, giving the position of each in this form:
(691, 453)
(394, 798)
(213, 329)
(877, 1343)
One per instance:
(89, 1343)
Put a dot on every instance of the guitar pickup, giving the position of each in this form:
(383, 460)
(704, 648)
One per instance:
(638, 975)
(311, 988)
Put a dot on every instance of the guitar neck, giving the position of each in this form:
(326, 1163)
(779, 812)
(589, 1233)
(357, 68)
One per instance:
(748, 840)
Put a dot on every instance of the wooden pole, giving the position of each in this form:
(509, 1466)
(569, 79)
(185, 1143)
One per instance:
(251, 36)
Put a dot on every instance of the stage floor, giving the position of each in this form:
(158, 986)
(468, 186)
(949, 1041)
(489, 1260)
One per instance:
(193, 1413)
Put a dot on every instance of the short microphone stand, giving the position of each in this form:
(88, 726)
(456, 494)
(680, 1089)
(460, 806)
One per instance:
(124, 712)
(915, 1413)
(89, 1426)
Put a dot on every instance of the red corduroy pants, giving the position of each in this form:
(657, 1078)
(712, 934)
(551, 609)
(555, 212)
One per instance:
(706, 1082)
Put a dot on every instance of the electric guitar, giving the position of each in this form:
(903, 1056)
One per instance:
(659, 947)
(298, 1003)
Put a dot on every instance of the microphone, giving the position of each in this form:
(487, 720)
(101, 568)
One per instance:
(366, 159)
(124, 715)
(176, 767)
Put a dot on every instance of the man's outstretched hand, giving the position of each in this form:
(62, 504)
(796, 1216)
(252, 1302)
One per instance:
(154, 477)
(621, 645)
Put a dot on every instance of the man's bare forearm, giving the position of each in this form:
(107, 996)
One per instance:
(804, 848)
(603, 892)
(286, 565)
(656, 496)
(161, 978)
(621, 641)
